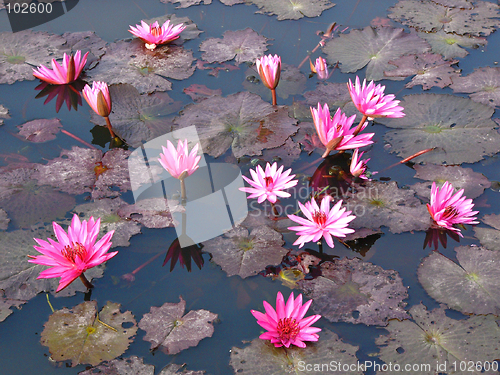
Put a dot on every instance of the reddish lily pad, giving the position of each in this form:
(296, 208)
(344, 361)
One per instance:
(40, 130)
(354, 291)
(489, 238)
(152, 212)
(429, 69)
(80, 336)
(138, 118)
(169, 329)
(429, 16)
(241, 45)
(373, 48)
(4, 114)
(201, 92)
(449, 123)
(449, 45)
(483, 85)
(288, 10)
(243, 121)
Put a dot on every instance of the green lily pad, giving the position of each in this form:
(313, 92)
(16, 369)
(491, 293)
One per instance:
(292, 10)
(429, 16)
(353, 291)
(79, 335)
(242, 121)
(242, 45)
(489, 238)
(483, 85)
(4, 114)
(449, 45)
(471, 286)
(169, 329)
(245, 253)
(433, 337)
(450, 123)
(40, 130)
(373, 48)
(262, 357)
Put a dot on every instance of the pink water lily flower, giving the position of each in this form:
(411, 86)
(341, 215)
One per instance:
(321, 222)
(153, 34)
(269, 69)
(320, 68)
(269, 184)
(74, 253)
(69, 72)
(286, 325)
(179, 162)
(371, 101)
(98, 98)
(336, 133)
(447, 209)
(358, 166)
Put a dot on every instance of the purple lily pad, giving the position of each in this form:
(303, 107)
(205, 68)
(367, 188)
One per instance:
(187, 3)
(4, 114)
(24, 50)
(449, 45)
(40, 130)
(333, 94)
(284, 155)
(354, 291)
(429, 69)
(169, 329)
(243, 121)
(241, 45)
(190, 31)
(87, 41)
(138, 118)
(152, 212)
(429, 16)
(489, 238)
(483, 85)
(130, 62)
(132, 365)
(201, 92)
(373, 48)
(287, 10)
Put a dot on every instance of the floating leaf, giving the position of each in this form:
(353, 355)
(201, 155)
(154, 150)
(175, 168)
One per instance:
(262, 357)
(86, 41)
(4, 114)
(147, 71)
(174, 369)
(378, 203)
(152, 212)
(470, 286)
(483, 85)
(6, 304)
(241, 45)
(232, 2)
(79, 334)
(429, 69)
(127, 366)
(4, 220)
(354, 291)
(472, 182)
(450, 123)
(333, 94)
(187, 3)
(372, 47)
(40, 130)
(489, 238)
(201, 92)
(138, 118)
(245, 253)
(243, 121)
(284, 155)
(433, 337)
(429, 16)
(463, 4)
(449, 45)
(168, 328)
(21, 51)
(190, 29)
(292, 10)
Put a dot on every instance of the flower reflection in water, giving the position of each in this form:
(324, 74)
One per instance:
(70, 93)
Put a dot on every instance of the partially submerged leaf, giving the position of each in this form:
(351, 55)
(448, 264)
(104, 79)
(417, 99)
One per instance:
(449, 45)
(241, 45)
(262, 357)
(292, 10)
(4, 114)
(80, 336)
(350, 290)
(471, 286)
(483, 85)
(40, 130)
(6, 305)
(489, 238)
(168, 328)
(374, 48)
(201, 92)
(127, 366)
(450, 123)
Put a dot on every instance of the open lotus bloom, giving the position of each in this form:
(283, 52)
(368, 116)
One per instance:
(371, 101)
(69, 72)
(98, 98)
(179, 162)
(447, 209)
(154, 35)
(74, 253)
(269, 69)
(286, 325)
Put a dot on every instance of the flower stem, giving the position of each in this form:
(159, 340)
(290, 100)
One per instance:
(183, 190)
(273, 91)
(78, 139)
(275, 211)
(320, 245)
(108, 123)
(358, 129)
(85, 281)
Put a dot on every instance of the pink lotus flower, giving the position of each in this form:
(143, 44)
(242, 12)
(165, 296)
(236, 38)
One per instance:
(98, 98)
(286, 325)
(371, 101)
(179, 163)
(320, 68)
(269, 184)
(67, 73)
(269, 68)
(154, 35)
(447, 209)
(321, 222)
(358, 166)
(75, 253)
(335, 132)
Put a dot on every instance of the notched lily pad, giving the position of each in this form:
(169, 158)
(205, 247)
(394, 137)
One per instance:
(40, 130)
(449, 45)
(245, 253)
(242, 121)
(293, 10)
(471, 286)
(262, 357)
(292, 82)
(373, 47)
(483, 85)
(79, 335)
(241, 45)
(6, 305)
(354, 291)
(4, 114)
(449, 123)
(489, 238)
(168, 328)
(433, 337)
